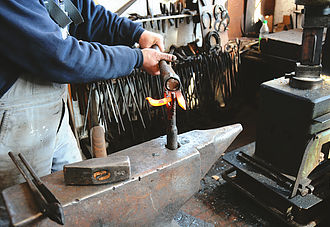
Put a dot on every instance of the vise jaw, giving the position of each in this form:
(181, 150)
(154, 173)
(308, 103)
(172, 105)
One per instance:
(161, 182)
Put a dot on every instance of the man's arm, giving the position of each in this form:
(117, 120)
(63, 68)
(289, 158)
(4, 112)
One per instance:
(104, 26)
(30, 39)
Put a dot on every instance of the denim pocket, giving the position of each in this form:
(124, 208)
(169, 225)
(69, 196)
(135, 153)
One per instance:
(31, 131)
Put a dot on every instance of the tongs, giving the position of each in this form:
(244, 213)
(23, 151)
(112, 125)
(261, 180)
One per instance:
(46, 201)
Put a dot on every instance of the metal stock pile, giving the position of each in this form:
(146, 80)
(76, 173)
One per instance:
(209, 82)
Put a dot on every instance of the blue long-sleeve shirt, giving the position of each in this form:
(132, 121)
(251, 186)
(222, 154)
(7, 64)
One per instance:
(31, 42)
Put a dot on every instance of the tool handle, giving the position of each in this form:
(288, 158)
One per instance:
(98, 142)
(41, 202)
(171, 80)
(46, 193)
(29, 168)
(21, 170)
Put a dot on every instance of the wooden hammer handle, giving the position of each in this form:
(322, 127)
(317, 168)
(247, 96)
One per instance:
(98, 142)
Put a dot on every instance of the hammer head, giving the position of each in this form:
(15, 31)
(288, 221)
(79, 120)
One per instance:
(98, 171)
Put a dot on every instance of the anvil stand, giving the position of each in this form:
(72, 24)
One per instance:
(287, 169)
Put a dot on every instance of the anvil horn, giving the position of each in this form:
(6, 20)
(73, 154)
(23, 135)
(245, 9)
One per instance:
(161, 182)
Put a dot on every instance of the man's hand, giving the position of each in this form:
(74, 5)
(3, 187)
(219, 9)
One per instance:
(151, 58)
(148, 39)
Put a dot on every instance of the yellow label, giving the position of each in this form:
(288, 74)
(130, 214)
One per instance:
(102, 175)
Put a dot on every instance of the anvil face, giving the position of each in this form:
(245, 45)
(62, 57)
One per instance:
(162, 181)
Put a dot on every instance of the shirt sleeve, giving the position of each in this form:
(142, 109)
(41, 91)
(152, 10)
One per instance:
(104, 26)
(31, 40)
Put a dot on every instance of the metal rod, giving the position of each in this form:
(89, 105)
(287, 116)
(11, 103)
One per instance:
(135, 102)
(163, 18)
(87, 109)
(110, 88)
(271, 172)
(126, 107)
(172, 130)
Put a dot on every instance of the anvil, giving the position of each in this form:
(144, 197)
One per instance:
(162, 181)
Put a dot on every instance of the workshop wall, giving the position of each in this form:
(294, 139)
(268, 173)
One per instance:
(138, 7)
(283, 7)
(178, 36)
(236, 13)
(267, 7)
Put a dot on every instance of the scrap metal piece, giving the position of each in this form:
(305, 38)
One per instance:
(159, 186)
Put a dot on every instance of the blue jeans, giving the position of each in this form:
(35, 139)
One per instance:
(34, 121)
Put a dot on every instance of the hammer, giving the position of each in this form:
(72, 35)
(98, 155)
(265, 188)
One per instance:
(101, 169)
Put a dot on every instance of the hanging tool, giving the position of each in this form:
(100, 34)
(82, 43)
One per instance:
(111, 93)
(122, 9)
(164, 12)
(149, 13)
(47, 203)
(173, 11)
(179, 10)
(87, 107)
(135, 102)
(206, 19)
(121, 90)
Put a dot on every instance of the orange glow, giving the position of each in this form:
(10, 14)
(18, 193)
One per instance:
(167, 99)
(181, 100)
(159, 102)
(101, 175)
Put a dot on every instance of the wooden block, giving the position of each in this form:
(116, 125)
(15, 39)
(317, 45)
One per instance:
(286, 19)
(269, 19)
(279, 27)
(98, 171)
